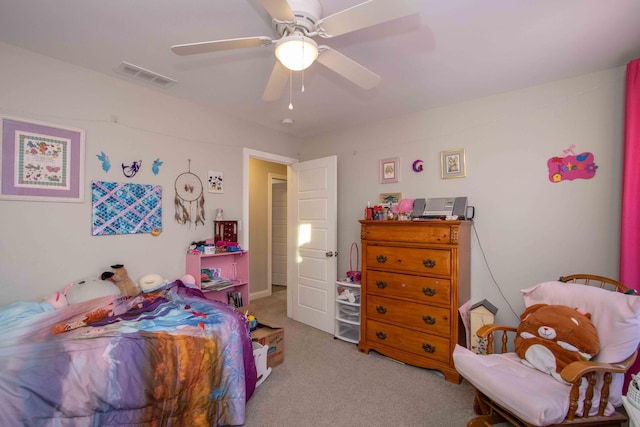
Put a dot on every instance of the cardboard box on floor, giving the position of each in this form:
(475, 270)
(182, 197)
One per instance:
(269, 335)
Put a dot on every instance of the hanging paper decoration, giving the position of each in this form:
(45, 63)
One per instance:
(120, 208)
(106, 164)
(189, 191)
(155, 168)
(216, 182)
(132, 170)
(570, 166)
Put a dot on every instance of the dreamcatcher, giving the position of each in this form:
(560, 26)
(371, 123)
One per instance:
(189, 190)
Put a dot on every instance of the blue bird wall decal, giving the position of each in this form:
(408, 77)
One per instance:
(156, 166)
(106, 164)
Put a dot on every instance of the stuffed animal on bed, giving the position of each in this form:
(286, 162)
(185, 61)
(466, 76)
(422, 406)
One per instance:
(121, 278)
(59, 299)
(90, 288)
(550, 337)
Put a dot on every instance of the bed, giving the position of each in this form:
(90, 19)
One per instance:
(167, 357)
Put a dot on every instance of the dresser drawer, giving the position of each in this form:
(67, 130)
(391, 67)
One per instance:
(420, 343)
(413, 260)
(420, 289)
(409, 232)
(435, 320)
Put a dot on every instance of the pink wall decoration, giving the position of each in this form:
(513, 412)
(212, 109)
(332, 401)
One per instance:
(570, 166)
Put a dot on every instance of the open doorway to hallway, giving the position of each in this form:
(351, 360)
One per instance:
(278, 234)
(265, 216)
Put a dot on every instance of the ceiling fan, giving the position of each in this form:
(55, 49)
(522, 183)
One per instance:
(296, 23)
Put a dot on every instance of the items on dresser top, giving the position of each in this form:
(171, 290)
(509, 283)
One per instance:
(415, 275)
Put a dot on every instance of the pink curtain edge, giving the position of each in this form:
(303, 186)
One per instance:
(630, 209)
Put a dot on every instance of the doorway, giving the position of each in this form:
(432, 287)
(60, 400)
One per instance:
(311, 235)
(262, 173)
(277, 236)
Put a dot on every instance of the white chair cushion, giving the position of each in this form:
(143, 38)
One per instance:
(527, 393)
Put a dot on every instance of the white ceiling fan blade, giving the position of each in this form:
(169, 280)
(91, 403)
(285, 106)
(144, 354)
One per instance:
(363, 15)
(219, 45)
(348, 68)
(277, 82)
(278, 9)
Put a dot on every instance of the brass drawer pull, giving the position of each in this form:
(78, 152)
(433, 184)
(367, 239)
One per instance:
(381, 259)
(429, 263)
(428, 348)
(429, 291)
(381, 335)
(381, 309)
(429, 320)
(380, 284)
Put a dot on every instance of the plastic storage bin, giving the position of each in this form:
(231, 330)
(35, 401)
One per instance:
(347, 316)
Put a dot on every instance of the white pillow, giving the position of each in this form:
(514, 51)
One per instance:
(90, 288)
(151, 282)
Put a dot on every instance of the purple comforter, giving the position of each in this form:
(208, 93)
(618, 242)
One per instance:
(169, 357)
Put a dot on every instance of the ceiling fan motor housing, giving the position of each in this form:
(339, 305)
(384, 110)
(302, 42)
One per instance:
(307, 14)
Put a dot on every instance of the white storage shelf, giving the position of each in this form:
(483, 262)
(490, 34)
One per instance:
(347, 322)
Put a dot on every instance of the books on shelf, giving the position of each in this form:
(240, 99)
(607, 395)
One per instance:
(234, 298)
(218, 284)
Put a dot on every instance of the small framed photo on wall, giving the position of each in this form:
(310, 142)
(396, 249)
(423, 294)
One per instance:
(215, 183)
(453, 164)
(389, 172)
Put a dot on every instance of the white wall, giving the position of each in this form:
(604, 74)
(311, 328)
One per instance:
(531, 230)
(43, 245)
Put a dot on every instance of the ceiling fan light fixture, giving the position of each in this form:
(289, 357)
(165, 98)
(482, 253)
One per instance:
(296, 52)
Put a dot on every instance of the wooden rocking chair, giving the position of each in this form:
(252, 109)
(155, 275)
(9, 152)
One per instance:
(508, 391)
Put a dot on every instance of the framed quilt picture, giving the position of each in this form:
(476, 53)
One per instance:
(41, 161)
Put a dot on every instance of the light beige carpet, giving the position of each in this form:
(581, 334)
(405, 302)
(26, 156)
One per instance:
(327, 382)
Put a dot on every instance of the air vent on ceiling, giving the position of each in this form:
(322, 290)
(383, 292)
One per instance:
(140, 73)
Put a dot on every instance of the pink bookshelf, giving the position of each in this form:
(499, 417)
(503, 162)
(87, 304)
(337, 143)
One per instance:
(225, 262)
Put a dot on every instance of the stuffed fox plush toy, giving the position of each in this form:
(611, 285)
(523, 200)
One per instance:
(552, 336)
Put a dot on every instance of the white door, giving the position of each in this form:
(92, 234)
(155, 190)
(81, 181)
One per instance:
(312, 242)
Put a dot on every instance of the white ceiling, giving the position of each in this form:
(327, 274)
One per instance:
(447, 52)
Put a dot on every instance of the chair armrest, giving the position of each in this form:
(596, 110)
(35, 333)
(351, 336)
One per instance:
(575, 370)
(485, 330)
(488, 331)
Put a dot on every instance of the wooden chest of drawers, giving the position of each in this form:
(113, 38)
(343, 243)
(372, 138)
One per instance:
(415, 275)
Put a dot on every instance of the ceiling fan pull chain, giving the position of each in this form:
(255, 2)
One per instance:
(302, 79)
(290, 90)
